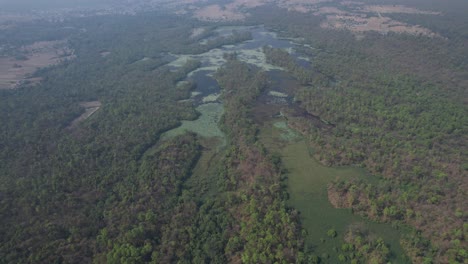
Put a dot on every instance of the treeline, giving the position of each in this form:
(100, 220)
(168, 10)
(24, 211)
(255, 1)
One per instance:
(398, 114)
(361, 246)
(107, 190)
(265, 230)
(283, 59)
(20, 34)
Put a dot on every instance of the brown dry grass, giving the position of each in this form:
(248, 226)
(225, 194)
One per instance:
(329, 10)
(218, 13)
(104, 53)
(246, 3)
(197, 32)
(354, 20)
(230, 12)
(302, 6)
(40, 54)
(395, 9)
(357, 23)
(235, 10)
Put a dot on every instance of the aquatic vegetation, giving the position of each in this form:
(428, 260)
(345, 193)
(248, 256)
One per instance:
(257, 58)
(249, 51)
(286, 133)
(206, 125)
(194, 94)
(211, 98)
(307, 186)
(277, 94)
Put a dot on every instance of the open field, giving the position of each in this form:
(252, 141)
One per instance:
(17, 71)
(219, 13)
(355, 16)
(359, 24)
(387, 9)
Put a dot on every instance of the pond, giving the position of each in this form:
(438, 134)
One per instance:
(307, 183)
(307, 179)
(207, 89)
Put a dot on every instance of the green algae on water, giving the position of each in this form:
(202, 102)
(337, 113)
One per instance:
(206, 125)
(286, 133)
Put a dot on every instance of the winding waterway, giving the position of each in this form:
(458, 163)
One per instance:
(307, 179)
(206, 95)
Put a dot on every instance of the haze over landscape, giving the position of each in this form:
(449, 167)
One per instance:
(233, 131)
(25, 5)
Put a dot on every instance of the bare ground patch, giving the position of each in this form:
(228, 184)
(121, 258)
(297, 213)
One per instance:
(90, 109)
(104, 53)
(358, 17)
(384, 9)
(229, 12)
(329, 10)
(361, 23)
(17, 71)
(219, 13)
(197, 32)
(236, 9)
(302, 6)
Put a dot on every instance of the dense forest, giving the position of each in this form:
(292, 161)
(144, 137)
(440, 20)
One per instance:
(108, 190)
(396, 114)
(86, 175)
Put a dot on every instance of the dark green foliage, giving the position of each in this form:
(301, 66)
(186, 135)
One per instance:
(265, 230)
(363, 247)
(395, 104)
(107, 189)
(282, 58)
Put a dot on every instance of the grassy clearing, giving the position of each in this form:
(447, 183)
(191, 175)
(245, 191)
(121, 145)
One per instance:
(206, 125)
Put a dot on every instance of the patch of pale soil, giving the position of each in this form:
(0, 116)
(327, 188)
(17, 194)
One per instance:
(329, 10)
(90, 109)
(105, 53)
(211, 98)
(384, 9)
(197, 32)
(351, 3)
(14, 72)
(236, 9)
(246, 3)
(6, 17)
(354, 20)
(277, 94)
(302, 2)
(6, 26)
(300, 9)
(218, 13)
(91, 104)
(303, 6)
(361, 23)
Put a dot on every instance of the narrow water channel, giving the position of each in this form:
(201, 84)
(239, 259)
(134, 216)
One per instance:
(206, 95)
(307, 179)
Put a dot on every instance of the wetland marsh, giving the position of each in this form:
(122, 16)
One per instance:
(307, 179)
(206, 96)
(307, 182)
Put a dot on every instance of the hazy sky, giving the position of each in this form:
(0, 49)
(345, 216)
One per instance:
(12, 5)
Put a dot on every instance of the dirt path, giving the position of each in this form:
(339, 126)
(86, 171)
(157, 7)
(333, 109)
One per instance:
(90, 109)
